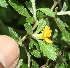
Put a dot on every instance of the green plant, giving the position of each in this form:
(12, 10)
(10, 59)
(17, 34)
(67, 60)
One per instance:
(41, 24)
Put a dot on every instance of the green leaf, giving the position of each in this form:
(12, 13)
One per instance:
(34, 64)
(40, 15)
(33, 43)
(48, 50)
(36, 53)
(62, 26)
(64, 7)
(15, 36)
(13, 33)
(47, 21)
(29, 6)
(47, 11)
(3, 3)
(24, 66)
(41, 25)
(28, 28)
(30, 20)
(19, 8)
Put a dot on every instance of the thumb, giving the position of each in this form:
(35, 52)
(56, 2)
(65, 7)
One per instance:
(9, 52)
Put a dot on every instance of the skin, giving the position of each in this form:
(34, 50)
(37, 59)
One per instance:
(9, 52)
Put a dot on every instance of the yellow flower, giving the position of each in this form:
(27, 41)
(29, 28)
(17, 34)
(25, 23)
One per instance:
(46, 33)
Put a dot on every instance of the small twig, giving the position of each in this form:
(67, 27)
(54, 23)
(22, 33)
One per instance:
(28, 54)
(24, 37)
(54, 5)
(35, 25)
(63, 13)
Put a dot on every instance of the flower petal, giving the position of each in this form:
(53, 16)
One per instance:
(46, 28)
(47, 40)
(48, 33)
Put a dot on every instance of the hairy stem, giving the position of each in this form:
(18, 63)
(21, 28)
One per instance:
(24, 37)
(63, 13)
(28, 54)
(54, 5)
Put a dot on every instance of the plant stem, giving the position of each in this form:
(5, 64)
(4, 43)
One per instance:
(54, 5)
(63, 13)
(24, 37)
(60, 7)
(28, 54)
(35, 25)
(34, 15)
